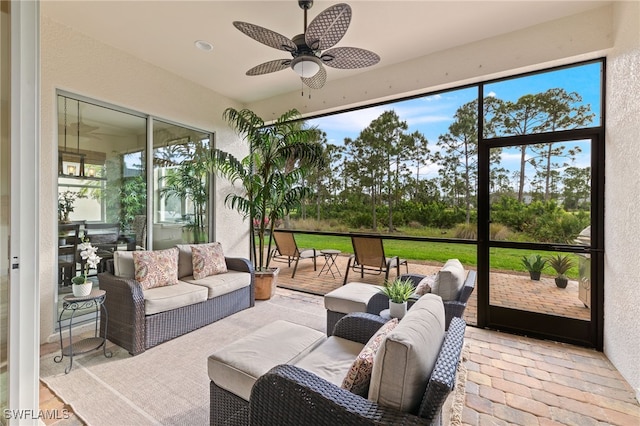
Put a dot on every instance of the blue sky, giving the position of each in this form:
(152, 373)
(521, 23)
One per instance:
(431, 115)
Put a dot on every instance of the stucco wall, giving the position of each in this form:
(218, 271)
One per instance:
(78, 64)
(622, 197)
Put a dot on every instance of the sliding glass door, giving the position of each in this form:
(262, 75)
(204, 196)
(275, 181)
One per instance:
(181, 185)
(104, 183)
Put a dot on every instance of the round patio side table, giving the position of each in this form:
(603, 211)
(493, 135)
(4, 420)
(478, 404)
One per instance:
(72, 304)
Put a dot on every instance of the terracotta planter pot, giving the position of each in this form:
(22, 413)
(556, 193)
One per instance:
(266, 284)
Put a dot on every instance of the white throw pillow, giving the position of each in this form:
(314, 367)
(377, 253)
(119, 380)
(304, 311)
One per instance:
(449, 280)
(123, 266)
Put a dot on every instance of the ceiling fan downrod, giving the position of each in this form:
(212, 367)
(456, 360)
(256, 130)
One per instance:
(305, 5)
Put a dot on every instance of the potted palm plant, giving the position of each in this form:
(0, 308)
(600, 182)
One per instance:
(534, 264)
(561, 263)
(270, 179)
(398, 291)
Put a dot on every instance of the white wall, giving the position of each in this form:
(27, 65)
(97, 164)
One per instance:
(622, 197)
(75, 63)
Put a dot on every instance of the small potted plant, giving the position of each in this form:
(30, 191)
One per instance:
(561, 263)
(398, 291)
(534, 264)
(65, 204)
(81, 286)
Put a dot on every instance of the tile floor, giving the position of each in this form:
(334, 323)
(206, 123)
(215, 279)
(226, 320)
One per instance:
(511, 380)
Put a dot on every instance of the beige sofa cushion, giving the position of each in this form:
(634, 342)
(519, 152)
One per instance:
(161, 299)
(332, 359)
(449, 280)
(185, 260)
(123, 266)
(403, 364)
(237, 366)
(221, 283)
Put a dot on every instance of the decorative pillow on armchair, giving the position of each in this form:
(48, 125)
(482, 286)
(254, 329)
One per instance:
(424, 286)
(449, 280)
(359, 375)
(156, 268)
(208, 259)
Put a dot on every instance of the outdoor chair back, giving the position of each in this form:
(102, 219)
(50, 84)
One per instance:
(368, 256)
(287, 250)
(69, 236)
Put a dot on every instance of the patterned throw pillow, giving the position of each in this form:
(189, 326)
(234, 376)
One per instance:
(208, 259)
(359, 375)
(156, 268)
(424, 286)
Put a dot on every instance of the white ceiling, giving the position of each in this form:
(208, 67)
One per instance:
(163, 33)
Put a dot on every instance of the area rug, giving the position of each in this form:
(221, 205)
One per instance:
(169, 384)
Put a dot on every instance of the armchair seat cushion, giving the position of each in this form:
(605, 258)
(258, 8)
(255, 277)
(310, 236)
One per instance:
(237, 366)
(332, 359)
(221, 283)
(167, 298)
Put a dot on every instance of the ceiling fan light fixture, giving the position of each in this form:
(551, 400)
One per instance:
(306, 66)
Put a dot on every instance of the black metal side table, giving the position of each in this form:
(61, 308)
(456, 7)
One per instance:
(330, 257)
(73, 304)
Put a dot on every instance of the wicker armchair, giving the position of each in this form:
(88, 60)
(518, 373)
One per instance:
(288, 395)
(452, 308)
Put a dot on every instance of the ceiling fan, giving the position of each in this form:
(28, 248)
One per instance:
(306, 49)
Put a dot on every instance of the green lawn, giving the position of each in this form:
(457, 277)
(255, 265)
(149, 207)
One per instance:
(501, 258)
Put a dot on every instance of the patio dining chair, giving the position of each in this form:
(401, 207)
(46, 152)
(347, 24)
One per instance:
(368, 256)
(68, 238)
(105, 237)
(287, 249)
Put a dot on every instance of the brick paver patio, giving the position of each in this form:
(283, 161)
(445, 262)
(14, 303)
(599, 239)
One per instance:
(507, 289)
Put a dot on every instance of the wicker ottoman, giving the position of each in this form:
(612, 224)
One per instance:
(235, 368)
(353, 297)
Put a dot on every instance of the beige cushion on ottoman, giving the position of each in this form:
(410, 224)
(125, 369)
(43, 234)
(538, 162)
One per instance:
(237, 366)
(403, 364)
(351, 297)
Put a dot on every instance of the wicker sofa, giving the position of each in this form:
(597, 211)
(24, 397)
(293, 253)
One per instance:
(413, 371)
(140, 319)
